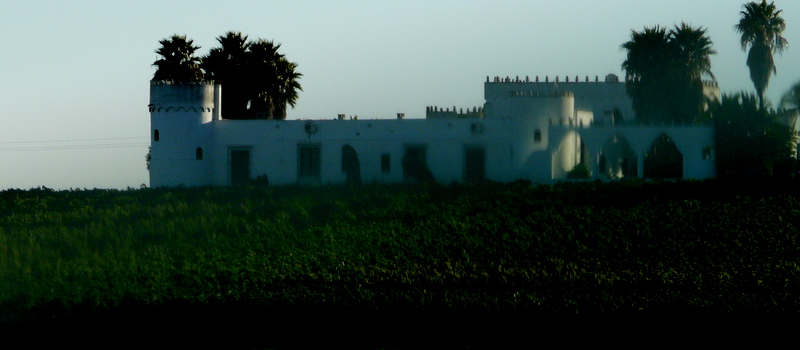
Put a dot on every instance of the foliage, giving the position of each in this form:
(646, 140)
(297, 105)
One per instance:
(259, 82)
(749, 140)
(664, 72)
(761, 27)
(580, 171)
(573, 247)
(791, 99)
(178, 62)
(149, 156)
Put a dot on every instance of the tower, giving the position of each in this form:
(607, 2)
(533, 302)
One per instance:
(180, 132)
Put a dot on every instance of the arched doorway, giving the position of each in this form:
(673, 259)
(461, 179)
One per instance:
(617, 159)
(663, 160)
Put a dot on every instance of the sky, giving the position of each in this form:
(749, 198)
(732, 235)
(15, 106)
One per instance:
(75, 74)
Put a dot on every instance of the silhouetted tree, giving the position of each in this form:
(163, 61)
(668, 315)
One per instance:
(761, 27)
(664, 71)
(791, 99)
(178, 62)
(258, 81)
(748, 139)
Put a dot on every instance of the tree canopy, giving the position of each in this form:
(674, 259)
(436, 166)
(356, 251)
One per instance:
(259, 81)
(178, 61)
(749, 140)
(791, 99)
(664, 71)
(761, 26)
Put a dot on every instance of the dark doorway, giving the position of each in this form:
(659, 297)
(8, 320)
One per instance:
(617, 159)
(240, 166)
(351, 165)
(663, 160)
(415, 165)
(474, 164)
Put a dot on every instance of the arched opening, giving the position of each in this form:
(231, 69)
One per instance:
(198, 153)
(663, 160)
(155, 135)
(617, 159)
(350, 165)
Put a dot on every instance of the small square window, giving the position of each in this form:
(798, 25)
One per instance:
(706, 152)
(537, 135)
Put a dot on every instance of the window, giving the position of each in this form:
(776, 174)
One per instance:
(537, 136)
(386, 163)
(198, 153)
(155, 135)
(308, 161)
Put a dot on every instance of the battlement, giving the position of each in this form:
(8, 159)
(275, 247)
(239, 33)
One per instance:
(533, 93)
(434, 112)
(610, 78)
(172, 82)
(170, 96)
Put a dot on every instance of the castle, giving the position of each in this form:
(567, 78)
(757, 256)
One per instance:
(541, 131)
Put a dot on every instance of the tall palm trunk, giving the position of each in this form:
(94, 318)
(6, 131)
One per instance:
(761, 65)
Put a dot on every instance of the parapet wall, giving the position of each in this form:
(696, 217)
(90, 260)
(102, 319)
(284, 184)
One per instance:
(434, 112)
(168, 96)
(610, 78)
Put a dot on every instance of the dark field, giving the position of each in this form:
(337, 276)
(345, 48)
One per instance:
(273, 265)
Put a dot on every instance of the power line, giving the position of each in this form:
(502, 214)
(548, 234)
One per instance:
(77, 140)
(74, 144)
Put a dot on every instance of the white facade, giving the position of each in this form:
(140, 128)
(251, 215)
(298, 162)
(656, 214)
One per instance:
(534, 131)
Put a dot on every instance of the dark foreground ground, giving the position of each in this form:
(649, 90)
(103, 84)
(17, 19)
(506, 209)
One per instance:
(390, 266)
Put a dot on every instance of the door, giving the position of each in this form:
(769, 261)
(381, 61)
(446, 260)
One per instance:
(474, 164)
(239, 166)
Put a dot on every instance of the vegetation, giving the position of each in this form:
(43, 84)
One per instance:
(749, 140)
(178, 61)
(580, 171)
(761, 27)
(574, 247)
(791, 99)
(258, 80)
(664, 72)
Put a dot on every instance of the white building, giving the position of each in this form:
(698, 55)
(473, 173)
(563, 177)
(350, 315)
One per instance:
(530, 130)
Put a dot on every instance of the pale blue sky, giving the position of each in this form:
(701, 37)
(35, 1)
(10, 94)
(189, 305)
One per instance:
(80, 70)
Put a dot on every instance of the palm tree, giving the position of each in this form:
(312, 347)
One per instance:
(287, 88)
(691, 62)
(664, 71)
(258, 80)
(644, 71)
(177, 62)
(761, 27)
(226, 65)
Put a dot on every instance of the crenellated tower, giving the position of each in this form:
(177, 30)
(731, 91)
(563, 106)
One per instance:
(180, 132)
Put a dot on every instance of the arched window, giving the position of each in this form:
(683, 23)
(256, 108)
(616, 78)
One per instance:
(155, 135)
(198, 153)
